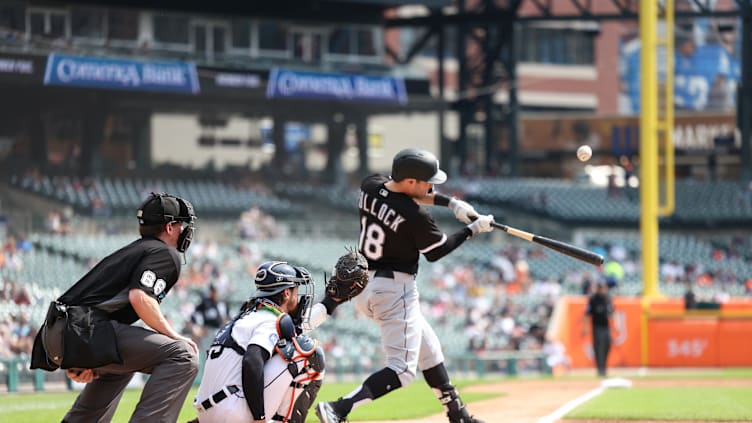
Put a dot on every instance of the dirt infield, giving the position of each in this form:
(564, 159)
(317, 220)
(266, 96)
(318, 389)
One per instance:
(526, 401)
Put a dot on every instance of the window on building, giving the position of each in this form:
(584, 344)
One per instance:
(409, 36)
(353, 41)
(171, 29)
(365, 44)
(122, 25)
(241, 33)
(339, 41)
(12, 17)
(88, 22)
(561, 46)
(272, 36)
(47, 23)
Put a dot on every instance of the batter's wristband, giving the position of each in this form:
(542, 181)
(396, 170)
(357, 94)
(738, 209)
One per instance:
(441, 200)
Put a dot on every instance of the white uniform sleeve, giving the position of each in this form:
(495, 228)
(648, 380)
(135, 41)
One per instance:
(318, 315)
(261, 331)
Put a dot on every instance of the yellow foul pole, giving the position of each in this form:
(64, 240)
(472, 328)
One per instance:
(650, 124)
(649, 146)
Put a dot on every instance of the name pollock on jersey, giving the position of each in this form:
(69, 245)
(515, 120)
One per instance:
(383, 212)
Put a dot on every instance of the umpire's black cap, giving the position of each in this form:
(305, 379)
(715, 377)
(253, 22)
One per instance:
(418, 164)
(164, 208)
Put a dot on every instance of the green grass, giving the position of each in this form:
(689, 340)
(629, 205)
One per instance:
(416, 400)
(676, 403)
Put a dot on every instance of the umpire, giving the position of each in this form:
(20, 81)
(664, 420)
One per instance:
(129, 285)
(600, 308)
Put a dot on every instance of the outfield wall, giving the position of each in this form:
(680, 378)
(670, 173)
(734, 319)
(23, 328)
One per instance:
(665, 335)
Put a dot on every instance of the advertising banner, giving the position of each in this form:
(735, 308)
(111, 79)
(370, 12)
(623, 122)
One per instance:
(619, 135)
(625, 334)
(18, 69)
(675, 337)
(682, 342)
(285, 83)
(707, 60)
(106, 73)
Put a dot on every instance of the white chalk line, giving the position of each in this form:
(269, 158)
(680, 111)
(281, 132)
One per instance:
(571, 405)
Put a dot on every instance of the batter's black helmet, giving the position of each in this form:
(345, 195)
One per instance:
(418, 164)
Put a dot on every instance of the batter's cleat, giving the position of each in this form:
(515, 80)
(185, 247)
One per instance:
(462, 416)
(326, 413)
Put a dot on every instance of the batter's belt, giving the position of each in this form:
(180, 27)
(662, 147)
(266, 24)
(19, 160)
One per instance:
(385, 273)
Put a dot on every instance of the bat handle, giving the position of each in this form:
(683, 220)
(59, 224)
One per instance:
(513, 231)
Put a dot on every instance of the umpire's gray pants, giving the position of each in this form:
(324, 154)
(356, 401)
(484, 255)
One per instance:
(172, 364)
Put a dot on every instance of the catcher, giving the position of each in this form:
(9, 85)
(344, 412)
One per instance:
(261, 366)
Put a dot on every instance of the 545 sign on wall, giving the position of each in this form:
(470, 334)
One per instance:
(691, 348)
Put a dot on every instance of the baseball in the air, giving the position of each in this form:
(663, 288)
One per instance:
(584, 153)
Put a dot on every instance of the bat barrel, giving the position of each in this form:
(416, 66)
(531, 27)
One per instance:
(570, 250)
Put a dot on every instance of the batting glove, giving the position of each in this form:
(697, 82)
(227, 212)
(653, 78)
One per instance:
(463, 211)
(482, 224)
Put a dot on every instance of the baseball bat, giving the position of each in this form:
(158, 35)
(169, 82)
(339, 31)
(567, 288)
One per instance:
(562, 247)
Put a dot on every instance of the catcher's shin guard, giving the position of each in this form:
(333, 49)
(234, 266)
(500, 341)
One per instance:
(304, 402)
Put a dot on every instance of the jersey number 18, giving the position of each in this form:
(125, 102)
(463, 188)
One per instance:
(371, 240)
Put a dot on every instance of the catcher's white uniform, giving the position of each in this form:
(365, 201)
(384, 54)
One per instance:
(220, 395)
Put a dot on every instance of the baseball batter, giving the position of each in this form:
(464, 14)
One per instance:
(260, 367)
(394, 231)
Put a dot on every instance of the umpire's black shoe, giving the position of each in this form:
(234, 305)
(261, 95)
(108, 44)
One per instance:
(462, 416)
(327, 414)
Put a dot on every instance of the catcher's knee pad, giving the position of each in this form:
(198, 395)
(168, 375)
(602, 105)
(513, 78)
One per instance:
(317, 360)
(303, 349)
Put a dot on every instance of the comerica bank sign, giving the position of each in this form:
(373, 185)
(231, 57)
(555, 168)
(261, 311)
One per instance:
(91, 72)
(286, 83)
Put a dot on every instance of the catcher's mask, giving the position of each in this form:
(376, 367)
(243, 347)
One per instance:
(274, 277)
(166, 208)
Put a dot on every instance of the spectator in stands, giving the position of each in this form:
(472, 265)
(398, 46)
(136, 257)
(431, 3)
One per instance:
(5, 340)
(613, 189)
(209, 315)
(600, 309)
(587, 284)
(99, 208)
(52, 223)
(613, 271)
(23, 244)
(745, 196)
(22, 296)
(11, 259)
(22, 335)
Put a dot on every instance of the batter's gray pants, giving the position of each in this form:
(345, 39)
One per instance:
(172, 365)
(409, 342)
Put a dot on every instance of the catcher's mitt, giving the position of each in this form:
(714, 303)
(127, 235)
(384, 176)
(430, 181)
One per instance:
(350, 277)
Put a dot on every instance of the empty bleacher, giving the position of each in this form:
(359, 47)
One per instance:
(125, 195)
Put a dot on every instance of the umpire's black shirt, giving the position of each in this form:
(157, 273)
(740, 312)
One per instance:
(600, 308)
(147, 264)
